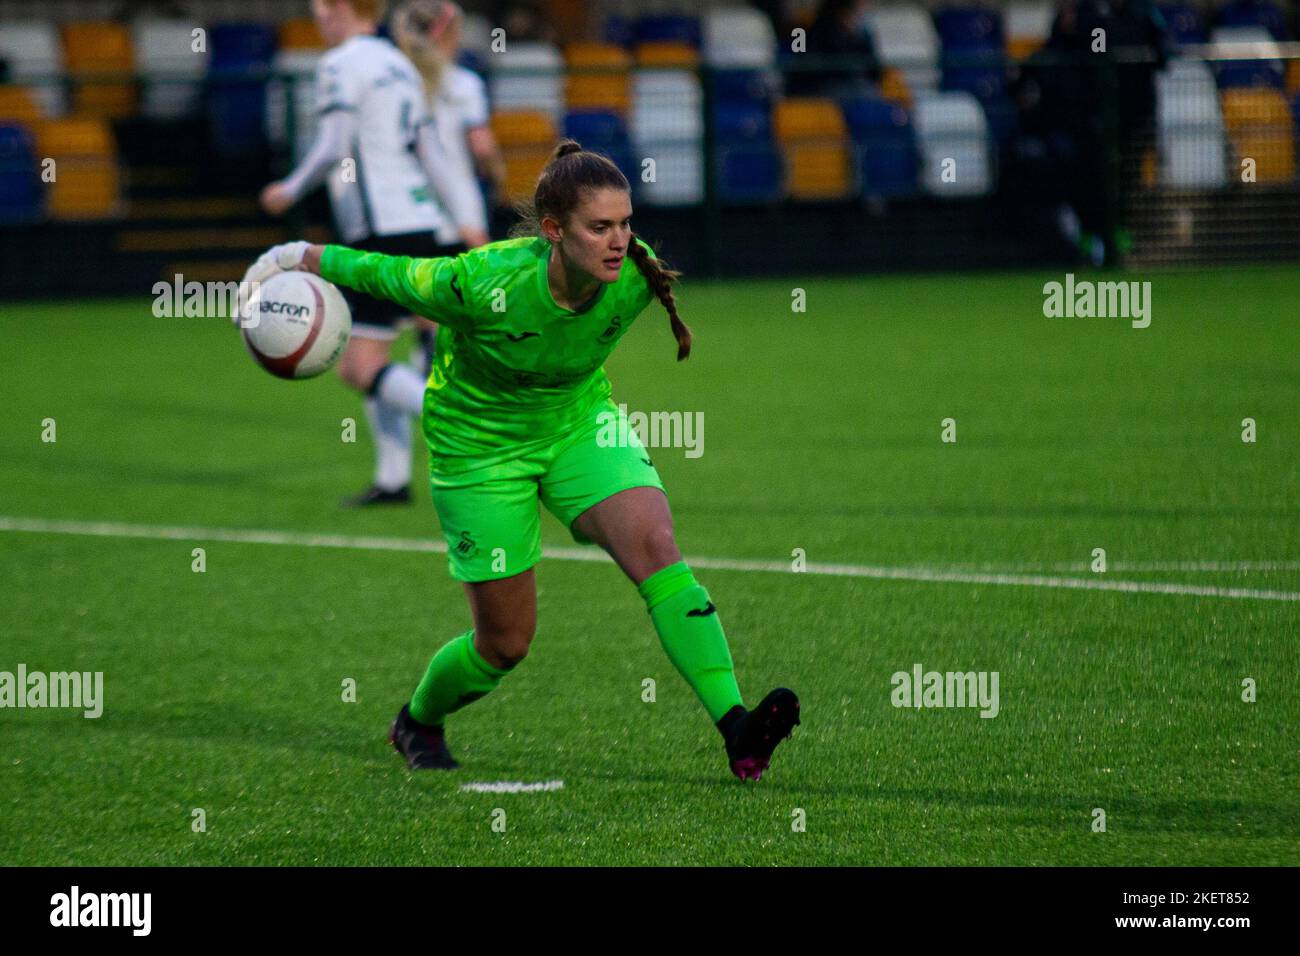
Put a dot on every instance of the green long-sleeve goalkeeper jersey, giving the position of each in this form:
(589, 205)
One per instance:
(513, 371)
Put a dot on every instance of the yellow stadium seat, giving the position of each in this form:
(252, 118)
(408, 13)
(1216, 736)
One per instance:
(523, 166)
(1022, 48)
(1254, 106)
(18, 105)
(598, 75)
(804, 118)
(893, 87)
(86, 181)
(600, 55)
(527, 138)
(75, 136)
(515, 128)
(301, 34)
(819, 171)
(666, 55)
(1259, 126)
(95, 54)
(84, 189)
(1293, 76)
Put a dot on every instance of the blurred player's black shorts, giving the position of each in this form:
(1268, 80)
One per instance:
(378, 318)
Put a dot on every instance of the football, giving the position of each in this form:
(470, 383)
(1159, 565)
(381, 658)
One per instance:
(297, 325)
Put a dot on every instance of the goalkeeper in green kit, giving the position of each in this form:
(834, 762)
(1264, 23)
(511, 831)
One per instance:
(513, 412)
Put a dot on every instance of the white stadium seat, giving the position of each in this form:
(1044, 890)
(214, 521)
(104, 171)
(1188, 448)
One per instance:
(35, 59)
(738, 38)
(172, 70)
(953, 126)
(1029, 20)
(906, 39)
(528, 76)
(1190, 138)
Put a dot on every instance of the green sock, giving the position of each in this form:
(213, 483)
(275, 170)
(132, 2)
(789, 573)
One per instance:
(692, 636)
(457, 676)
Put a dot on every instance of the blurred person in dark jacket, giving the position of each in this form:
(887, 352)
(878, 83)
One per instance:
(840, 34)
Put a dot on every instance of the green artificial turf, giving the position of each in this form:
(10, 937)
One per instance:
(223, 690)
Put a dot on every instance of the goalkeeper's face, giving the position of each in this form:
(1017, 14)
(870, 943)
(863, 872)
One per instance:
(595, 238)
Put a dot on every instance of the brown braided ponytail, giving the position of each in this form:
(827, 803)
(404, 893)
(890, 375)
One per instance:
(572, 173)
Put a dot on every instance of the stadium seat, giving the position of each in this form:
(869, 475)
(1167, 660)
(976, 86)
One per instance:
(241, 56)
(20, 185)
(750, 174)
(1028, 25)
(969, 28)
(1254, 13)
(668, 28)
(667, 55)
(85, 167)
(18, 104)
(35, 58)
(598, 77)
(301, 34)
(738, 38)
(1184, 23)
(1260, 127)
(528, 76)
(905, 38)
(666, 105)
(952, 126)
(96, 56)
(884, 145)
(1252, 42)
(744, 86)
(171, 68)
(667, 125)
(813, 135)
(742, 122)
(602, 131)
(893, 86)
(527, 138)
(1190, 136)
(679, 174)
(973, 52)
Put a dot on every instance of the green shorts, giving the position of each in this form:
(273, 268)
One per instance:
(490, 516)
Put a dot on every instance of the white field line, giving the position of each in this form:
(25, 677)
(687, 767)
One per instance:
(511, 786)
(107, 529)
(1185, 566)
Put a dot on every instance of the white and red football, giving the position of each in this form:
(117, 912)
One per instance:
(297, 325)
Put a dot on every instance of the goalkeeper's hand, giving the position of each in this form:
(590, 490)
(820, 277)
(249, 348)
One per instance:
(282, 258)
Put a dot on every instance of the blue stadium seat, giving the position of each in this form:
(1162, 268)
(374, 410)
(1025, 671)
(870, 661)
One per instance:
(1238, 73)
(619, 30)
(885, 146)
(749, 173)
(1184, 23)
(973, 58)
(236, 100)
(1254, 13)
(742, 86)
(668, 29)
(602, 131)
(969, 28)
(20, 186)
(742, 122)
